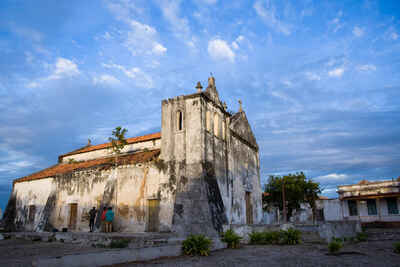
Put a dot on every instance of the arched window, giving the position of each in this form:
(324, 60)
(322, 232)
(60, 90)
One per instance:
(179, 120)
(208, 121)
(216, 124)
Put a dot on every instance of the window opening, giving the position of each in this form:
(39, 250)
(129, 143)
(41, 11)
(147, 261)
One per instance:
(392, 205)
(180, 120)
(352, 207)
(371, 205)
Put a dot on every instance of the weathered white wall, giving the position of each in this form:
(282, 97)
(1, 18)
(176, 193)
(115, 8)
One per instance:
(332, 210)
(106, 152)
(31, 193)
(363, 216)
(134, 185)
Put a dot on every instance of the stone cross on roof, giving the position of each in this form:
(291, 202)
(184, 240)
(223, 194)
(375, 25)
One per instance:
(240, 106)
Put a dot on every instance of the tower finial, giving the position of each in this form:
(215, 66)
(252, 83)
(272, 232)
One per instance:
(211, 81)
(199, 87)
(240, 106)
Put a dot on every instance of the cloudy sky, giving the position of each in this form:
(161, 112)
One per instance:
(319, 80)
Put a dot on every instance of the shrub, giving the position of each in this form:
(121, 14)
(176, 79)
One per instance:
(290, 237)
(122, 243)
(336, 239)
(231, 238)
(334, 246)
(361, 237)
(256, 237)
(396, 247)
(196, 245)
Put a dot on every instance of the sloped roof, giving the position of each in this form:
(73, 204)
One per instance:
(131, 140)
(62, 168)
(240, 125)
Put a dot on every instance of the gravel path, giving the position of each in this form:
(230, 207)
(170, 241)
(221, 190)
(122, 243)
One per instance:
(378, 253)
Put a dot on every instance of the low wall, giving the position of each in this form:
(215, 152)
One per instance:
(322, 231)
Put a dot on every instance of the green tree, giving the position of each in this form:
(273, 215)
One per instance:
(298, 189)
(118, 141)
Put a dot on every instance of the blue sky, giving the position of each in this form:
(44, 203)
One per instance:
(319, 80)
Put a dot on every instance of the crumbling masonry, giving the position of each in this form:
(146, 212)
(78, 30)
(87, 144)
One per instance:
(200, 173)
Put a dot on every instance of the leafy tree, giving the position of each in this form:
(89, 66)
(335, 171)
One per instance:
(118, 141)
(298, 189)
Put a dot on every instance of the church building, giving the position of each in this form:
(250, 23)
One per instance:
(202, 171)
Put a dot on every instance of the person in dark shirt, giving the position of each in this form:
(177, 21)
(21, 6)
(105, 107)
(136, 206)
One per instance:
(92, 216)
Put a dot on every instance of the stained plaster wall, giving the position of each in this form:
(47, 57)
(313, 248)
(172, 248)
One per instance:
(152, 144)
(130, 185)
(31, 193)
(209, 171)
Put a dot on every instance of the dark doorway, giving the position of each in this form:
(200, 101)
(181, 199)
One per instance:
(249, 209)
(73, 213)
(153, 220)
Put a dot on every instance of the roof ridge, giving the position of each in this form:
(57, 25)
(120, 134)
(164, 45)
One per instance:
(62, 168)
(130, 140)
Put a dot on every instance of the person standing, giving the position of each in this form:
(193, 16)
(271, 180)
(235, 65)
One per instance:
(109, 219)
(103, 219)
(92, 216)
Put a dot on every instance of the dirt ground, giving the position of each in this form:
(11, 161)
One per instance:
(376, 253)
(18, 252)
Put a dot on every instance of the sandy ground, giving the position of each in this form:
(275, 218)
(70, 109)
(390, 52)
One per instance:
(376, 253)
(18, 252)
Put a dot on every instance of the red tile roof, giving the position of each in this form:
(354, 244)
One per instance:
(131, 140)
(62, 168)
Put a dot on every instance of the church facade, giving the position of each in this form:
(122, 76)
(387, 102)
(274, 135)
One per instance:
(201, 172)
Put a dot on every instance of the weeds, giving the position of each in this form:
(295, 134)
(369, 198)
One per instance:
(396, 247)
(289, 237)
(122, 243)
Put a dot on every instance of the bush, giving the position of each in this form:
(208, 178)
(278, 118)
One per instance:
(290, 237)
(361, 237)
(122, 243)
(396, 247)
(231, 238)
(255, 237)
(196, 245)
(334, 246)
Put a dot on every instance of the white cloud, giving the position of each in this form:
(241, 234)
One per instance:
(235, 44)
(312, 76)
(358, 32)
(159, 49)
(367, 67)
(336, 22)
(219, 50)
(64, 68)
(332, 177)
(267, 11)
(141, 79)
(338, 72)
(287, 83)
(394, 36)
(141, 38)
(106, 79)
(180, 25)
